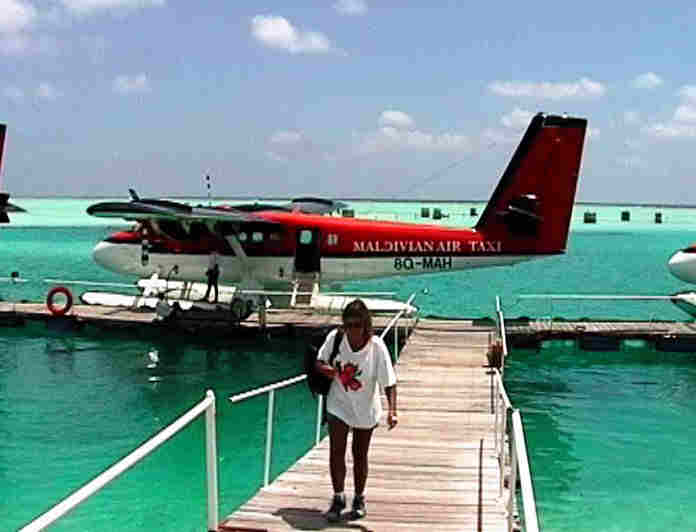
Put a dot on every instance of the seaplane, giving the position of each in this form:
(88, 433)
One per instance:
(265, 247)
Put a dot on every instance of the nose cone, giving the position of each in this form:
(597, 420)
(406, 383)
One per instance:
(102, 254)
(114, 257)
(683, 266)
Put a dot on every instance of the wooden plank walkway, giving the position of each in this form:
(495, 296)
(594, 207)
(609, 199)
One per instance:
(437, 470)
(124, 317)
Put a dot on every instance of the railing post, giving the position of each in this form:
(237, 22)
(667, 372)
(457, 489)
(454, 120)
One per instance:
(512, 484)
(396, 341)
(495, 407)
(320, 409)
(211, 462)
(269, 439)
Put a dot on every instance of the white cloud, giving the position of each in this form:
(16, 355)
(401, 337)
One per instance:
(277, 32)
(492, 137)
(13, 44)
(582, 89)
(649, 80)
(683, 122)
(46, 91)
(351, 7)
(131, 84)
(631, 117)
(670, 130)
(89, 6)
(15, 15)
(396, 119)
(14, 94)
(285, 145)
(688, 92)
(685, 113)
(389, 138)
(285, 137)
(517, 118)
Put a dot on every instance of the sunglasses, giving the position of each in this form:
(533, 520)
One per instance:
(353, 325)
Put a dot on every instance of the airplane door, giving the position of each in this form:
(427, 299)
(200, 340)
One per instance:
(308, 251)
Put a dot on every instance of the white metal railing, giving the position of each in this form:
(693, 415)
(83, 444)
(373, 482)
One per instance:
(393, 322)
(206, 406)
(270, 389)
(510, 443)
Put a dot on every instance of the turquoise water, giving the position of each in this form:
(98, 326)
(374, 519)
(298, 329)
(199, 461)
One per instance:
(608, 432)
(610, 436)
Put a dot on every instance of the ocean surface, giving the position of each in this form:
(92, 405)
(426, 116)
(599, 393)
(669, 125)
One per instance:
(609, 434)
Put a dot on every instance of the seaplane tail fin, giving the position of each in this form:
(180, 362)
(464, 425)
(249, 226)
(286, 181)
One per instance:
(530, 209)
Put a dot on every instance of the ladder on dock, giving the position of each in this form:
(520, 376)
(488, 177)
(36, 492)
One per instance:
(437, 470)
(303, 288)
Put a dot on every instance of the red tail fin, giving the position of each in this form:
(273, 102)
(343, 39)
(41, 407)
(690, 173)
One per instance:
(531, 207)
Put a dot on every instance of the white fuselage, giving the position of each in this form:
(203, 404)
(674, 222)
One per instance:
(127, 259)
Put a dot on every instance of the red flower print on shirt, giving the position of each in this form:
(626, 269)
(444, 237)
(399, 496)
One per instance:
(347, 376)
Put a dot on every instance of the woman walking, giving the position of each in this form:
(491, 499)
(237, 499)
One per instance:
(353, 402)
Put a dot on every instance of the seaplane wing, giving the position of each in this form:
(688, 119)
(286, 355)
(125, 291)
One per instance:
(170, 210)
(269, 246)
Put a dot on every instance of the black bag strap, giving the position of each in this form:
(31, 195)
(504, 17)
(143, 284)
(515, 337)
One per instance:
(336, 345)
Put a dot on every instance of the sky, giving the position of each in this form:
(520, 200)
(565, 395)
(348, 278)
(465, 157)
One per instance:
(341, 99)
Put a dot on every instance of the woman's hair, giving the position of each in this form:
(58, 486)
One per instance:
(357, 310)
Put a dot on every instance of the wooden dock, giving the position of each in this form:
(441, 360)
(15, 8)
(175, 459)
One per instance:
(603, 335)
(664, 335)
(437, 470)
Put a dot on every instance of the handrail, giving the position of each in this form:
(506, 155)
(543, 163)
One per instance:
(393, 322)
(270, 389)
(207, 405)
(516, 451)
(528, 501)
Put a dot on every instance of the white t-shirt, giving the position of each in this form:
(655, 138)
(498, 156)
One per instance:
(354, 395)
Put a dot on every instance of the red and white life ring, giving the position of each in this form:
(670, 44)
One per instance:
(58, 310)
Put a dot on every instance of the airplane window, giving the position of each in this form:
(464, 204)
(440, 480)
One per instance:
(305, 236)
(257, 237)
(332, 239)
(242, 237)
(276, 236)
